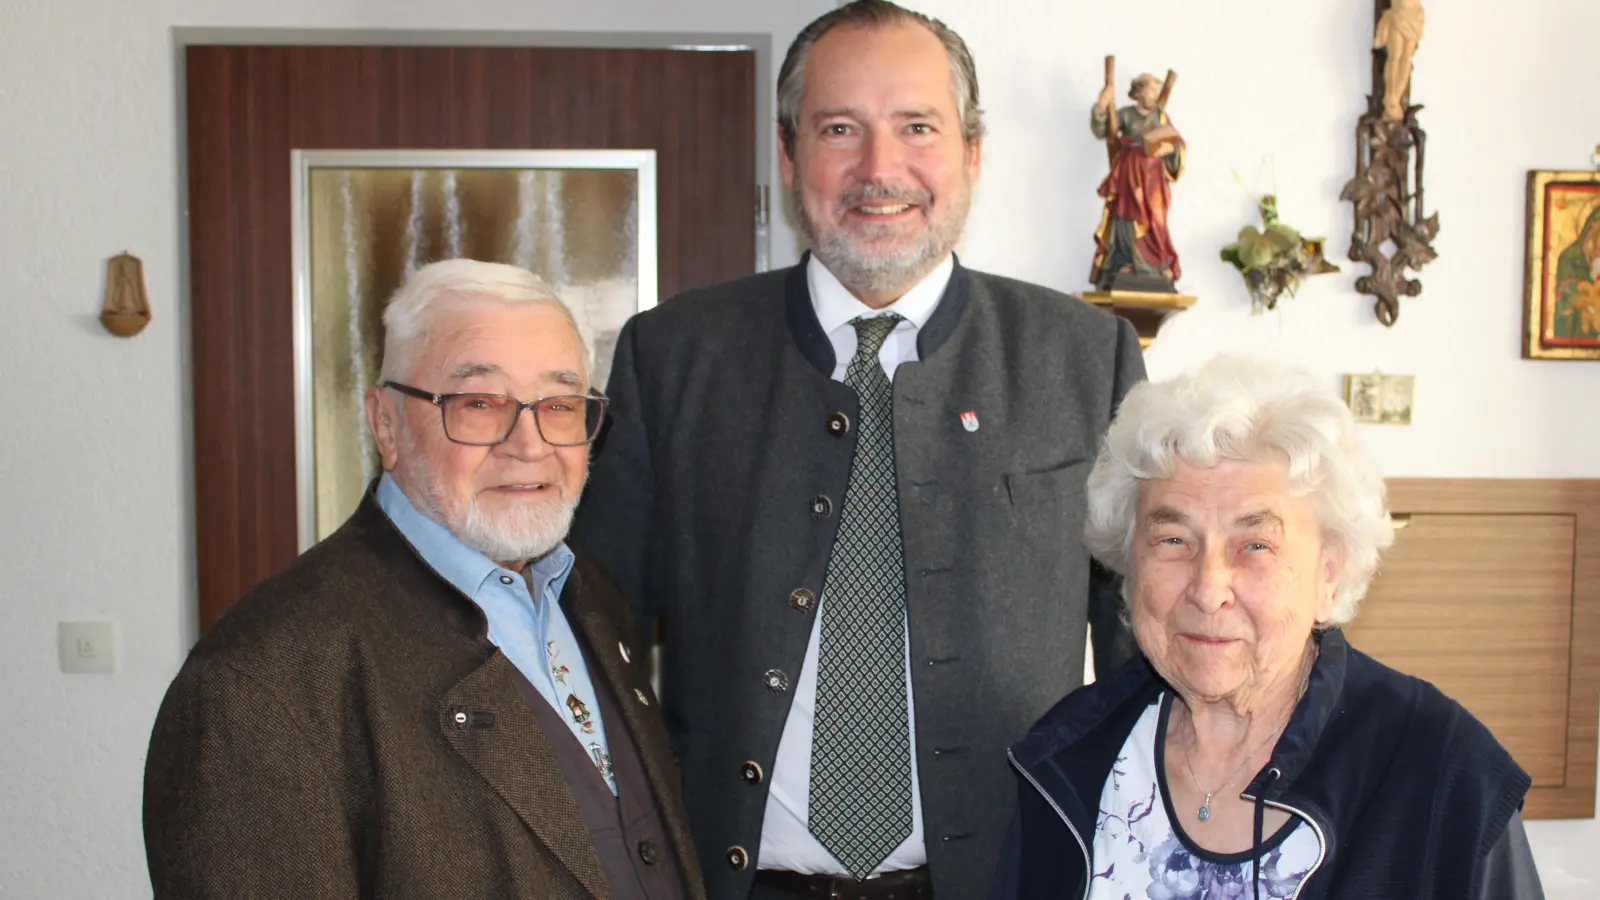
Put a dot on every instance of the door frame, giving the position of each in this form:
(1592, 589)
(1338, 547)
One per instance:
(185, 37)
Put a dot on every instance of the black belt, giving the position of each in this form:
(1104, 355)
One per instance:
(910, 884)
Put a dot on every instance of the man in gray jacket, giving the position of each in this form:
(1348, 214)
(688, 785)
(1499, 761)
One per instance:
(852, 494)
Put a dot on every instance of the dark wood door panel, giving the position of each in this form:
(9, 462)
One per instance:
(249, 107)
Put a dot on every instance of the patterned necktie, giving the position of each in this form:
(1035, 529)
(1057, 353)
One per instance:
(572, 693)
(860, 807)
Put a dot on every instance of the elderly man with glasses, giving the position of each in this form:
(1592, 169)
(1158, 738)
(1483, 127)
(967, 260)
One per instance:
(442, 699)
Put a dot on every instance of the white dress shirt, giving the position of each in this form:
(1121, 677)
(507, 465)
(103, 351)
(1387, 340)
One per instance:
(786, 841)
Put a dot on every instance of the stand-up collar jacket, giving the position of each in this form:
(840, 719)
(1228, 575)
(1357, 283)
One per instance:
(1410, 797)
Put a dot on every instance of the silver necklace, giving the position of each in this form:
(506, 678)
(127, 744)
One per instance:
(1204, 812)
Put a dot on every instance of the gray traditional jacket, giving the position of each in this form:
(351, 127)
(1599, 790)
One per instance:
(715, 500)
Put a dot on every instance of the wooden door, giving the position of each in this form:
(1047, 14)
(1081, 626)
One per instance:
(249, 107)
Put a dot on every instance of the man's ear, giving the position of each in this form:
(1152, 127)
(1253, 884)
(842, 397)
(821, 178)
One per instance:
(384, 428)
(785, 164)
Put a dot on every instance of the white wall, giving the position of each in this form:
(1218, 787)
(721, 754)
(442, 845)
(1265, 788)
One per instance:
(1505, 89)
(94, 472)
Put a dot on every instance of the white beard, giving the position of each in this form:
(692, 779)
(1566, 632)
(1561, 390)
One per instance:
(523, 531)
(527, 530)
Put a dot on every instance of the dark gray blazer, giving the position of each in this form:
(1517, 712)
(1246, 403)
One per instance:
(715, 499)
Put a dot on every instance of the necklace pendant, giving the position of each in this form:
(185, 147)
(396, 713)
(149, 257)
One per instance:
(1205, 809)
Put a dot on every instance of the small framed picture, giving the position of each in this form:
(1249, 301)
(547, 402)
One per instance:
(1378, 399)
(1561, 305)
(1397, 390)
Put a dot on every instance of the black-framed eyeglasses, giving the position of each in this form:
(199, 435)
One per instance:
(483, 420)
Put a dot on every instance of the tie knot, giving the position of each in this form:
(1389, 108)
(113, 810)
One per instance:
(872, 331)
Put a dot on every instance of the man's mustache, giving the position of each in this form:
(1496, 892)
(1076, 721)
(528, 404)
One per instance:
(865, 193)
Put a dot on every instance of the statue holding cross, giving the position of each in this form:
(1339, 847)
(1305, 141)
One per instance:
(1133, 248)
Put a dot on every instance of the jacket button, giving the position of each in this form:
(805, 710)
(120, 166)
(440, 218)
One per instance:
(838, 424)
(821, 507)
(647, 852)
(751, 773)
(639, 695)
(623, 649)
(776, 681)
(802, 600)
(738, 859)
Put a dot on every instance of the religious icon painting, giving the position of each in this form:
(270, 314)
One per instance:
(1561, 305)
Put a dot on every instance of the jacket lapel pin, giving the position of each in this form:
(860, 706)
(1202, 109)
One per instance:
(969, 420)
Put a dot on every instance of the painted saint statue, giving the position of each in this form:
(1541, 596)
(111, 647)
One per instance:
(1133, 248)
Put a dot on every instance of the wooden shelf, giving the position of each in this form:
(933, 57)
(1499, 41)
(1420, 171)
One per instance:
(1146, 311)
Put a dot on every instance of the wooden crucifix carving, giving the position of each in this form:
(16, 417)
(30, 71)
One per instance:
(1393, 232)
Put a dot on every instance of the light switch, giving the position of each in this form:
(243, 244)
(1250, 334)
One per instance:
(88, 648)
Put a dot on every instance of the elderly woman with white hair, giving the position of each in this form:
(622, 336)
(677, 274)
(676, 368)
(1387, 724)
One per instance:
(1251, 752)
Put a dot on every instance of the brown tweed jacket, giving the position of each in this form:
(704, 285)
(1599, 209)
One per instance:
(347, 730)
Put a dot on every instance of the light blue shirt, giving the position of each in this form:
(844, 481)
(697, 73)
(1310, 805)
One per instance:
(525, 617)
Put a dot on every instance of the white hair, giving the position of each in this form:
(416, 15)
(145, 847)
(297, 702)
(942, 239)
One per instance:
(1251, 410)
(454, 284)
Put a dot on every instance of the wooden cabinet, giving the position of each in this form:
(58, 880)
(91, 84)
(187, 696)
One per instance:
(1492, 592)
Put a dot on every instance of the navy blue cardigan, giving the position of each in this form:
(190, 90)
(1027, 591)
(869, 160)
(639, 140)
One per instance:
(1410, 796)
